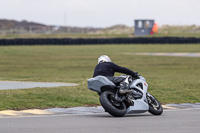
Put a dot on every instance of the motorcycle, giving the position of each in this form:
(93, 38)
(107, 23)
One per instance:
(129, 97)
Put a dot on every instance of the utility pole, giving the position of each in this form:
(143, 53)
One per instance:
(65, 23)
(30, 29)
(11, 31)
(65, 17)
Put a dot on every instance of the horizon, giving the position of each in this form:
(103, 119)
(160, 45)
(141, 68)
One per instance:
(89, 27)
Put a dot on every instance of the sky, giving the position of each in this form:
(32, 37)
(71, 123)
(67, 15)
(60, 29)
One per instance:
(101, 13)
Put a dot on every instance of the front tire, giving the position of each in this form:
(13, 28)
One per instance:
(155, 107)
(112, 106)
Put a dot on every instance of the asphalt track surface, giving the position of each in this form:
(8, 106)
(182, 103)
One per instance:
(5, 85)
(171, 121)
(168, 54)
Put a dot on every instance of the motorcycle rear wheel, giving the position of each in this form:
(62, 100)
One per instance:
(155, 107)
(112, 106)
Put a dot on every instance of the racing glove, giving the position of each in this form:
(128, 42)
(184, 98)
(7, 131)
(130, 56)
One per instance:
(136, 75)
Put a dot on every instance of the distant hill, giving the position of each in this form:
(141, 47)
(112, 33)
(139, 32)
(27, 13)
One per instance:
(6, 24)
(116, 29)
(8, 27)
(13, 26)
(23, 27)
(187, 29)
(163, 30)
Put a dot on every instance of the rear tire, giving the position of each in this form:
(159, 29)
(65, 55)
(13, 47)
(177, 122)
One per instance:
(112, 106)
(155, 107)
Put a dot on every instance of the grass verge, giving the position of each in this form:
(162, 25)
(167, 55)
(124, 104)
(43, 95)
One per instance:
(170, 79)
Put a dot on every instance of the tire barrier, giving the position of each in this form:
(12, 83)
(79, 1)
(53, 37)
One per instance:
(88, 41)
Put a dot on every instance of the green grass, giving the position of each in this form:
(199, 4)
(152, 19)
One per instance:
(64, 35)
(87, 35)
(170, 79)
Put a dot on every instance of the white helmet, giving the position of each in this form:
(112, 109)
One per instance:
(104, 58)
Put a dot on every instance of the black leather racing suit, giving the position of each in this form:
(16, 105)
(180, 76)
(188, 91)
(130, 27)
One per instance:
(108, 70)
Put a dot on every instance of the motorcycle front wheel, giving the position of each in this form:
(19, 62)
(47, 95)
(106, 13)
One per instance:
(155, 107)
(111, 105)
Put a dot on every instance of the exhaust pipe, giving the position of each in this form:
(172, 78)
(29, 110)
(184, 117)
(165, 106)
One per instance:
(123, 91)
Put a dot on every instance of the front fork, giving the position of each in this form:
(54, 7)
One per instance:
(151, 100)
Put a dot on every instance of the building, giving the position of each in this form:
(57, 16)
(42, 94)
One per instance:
(144, 27)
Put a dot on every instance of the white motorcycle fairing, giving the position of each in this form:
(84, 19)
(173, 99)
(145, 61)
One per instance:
(140, 105)
(96, 83)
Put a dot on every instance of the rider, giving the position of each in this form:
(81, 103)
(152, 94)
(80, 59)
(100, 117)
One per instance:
(107, 68)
